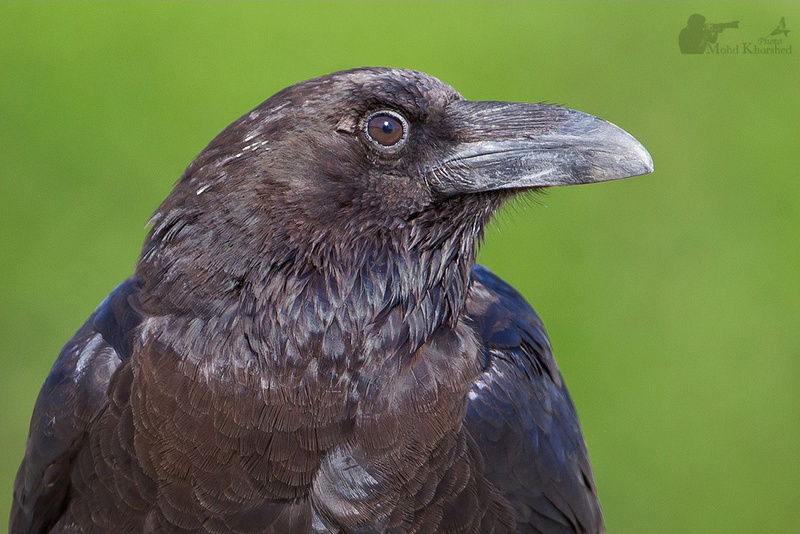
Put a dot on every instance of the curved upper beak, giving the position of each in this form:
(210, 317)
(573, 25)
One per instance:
(503, 145)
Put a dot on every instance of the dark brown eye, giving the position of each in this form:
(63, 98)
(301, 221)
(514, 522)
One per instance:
(385, 128)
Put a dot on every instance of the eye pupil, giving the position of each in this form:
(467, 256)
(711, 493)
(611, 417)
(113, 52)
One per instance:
(386, 129)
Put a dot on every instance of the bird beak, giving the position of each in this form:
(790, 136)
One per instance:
(503, 145)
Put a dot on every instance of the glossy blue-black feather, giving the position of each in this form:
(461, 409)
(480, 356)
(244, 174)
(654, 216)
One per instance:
(522, 418)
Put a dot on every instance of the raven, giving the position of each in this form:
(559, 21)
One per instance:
(307, 345)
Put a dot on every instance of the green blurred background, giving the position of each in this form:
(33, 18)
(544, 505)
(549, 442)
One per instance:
(672, 300)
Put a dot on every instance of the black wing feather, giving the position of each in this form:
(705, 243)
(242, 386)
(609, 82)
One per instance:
(522, 418)
(73, 395)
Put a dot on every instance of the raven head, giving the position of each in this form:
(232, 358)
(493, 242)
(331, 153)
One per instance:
(337, 170)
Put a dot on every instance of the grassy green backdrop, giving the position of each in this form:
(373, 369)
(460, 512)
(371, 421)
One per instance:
(672, 300)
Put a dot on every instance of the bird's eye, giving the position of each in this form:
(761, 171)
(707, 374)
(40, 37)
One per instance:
(386, 128)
